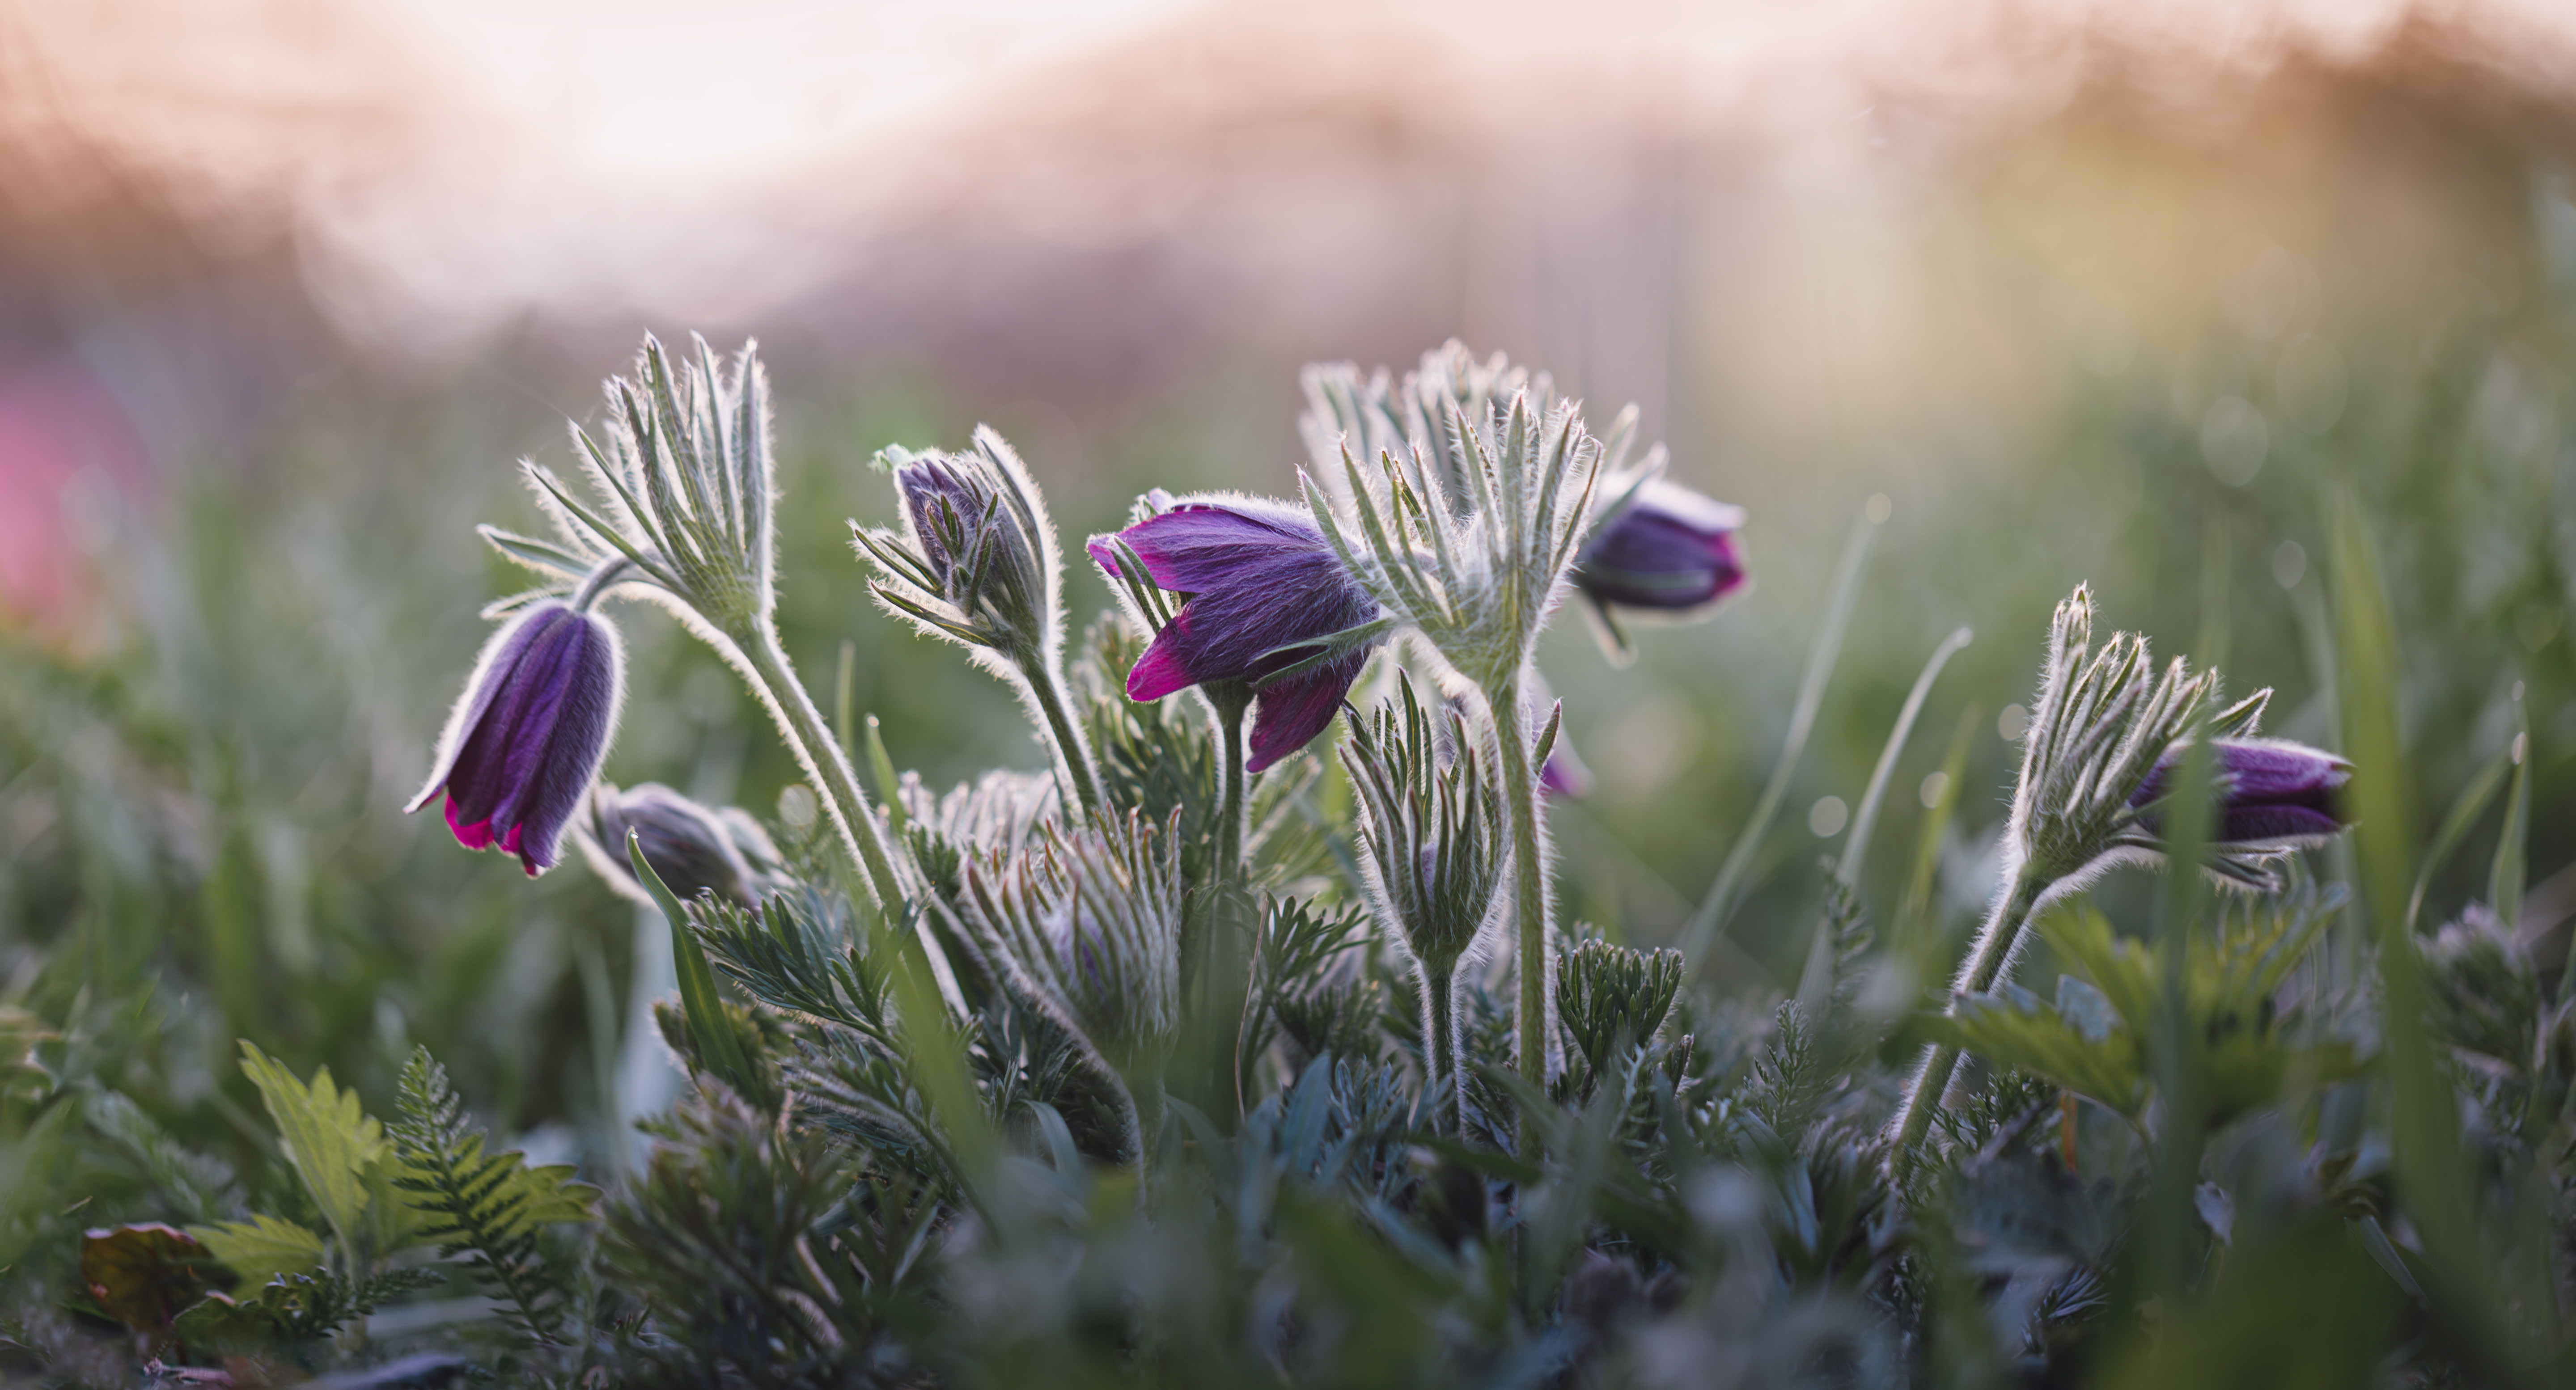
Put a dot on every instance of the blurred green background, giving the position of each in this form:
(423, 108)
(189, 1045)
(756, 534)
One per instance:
(2083, 324)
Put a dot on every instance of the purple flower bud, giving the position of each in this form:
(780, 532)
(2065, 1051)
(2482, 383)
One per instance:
(693, 848)
(528, 736)
(1671, 550)
(2270, 791)
(1259, 577)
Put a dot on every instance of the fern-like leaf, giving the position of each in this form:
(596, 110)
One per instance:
(488, 1208)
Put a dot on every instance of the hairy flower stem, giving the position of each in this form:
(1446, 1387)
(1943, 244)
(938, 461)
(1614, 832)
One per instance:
(819, 755)
(1046, 691)
(1986, 961)
(1232, 793)
(1440, 1043)
(1532, 939)
(1228, 990)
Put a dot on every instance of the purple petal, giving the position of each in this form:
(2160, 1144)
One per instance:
(1261, 583)
(1198, 546)
(1672, 550)
(538, 732)
(2276, 823)
(1288, 715)
(2271, 770)
(1162, 670)
(2270, 791)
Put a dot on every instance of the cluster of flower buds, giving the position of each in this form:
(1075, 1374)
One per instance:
(1454, 504)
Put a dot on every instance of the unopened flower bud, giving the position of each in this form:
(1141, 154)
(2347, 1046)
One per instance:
(977, 558)
(693, 848)
(2270, 792)
(1670, 551)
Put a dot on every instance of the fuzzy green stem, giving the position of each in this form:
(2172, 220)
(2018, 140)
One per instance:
(1232, 793)
(1995, 943)
(1440, 1041)
(1531, 937)
(1046, 691)
(819, 755)
(827, 766)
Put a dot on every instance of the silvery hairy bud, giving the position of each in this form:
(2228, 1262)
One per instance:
(683, 480)
(976, 559)
(1087, 926)
(976, 563)
(1432, 834)
(694, 848)
(2099, 762)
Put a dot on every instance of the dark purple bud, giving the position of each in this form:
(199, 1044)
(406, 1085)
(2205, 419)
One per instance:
(1671, 550)
(526, 740)
(1259, 577)
(693, 848)
(942, 505)
(2270, 791)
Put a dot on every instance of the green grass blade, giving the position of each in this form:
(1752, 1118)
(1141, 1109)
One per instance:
(2433, 1177)
(1856, 846)
(1713, 911)
(2505, 876)
(2465, 810)
(698, 999)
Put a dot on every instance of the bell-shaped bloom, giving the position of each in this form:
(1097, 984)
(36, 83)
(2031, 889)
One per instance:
(1260, 578)
(2270, 791)
(1670, 551)
(526, 740)
(694, 848)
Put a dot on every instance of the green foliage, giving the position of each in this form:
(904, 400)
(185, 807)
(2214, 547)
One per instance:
(2092, 1039)
(340, 1155)
(764, 1252)
(1609, 997)
(489, 1208)
(291, 1311)
(263, 1247)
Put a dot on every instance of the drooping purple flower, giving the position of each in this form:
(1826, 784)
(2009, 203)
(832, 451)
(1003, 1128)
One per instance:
(1260, 577)
(525, 741)
(1669, 551)
(2270, 791)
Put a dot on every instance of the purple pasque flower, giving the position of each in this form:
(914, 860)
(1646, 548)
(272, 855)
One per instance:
(1259, 578)
(1670, 550)
(526, 740)
(2270, 791)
